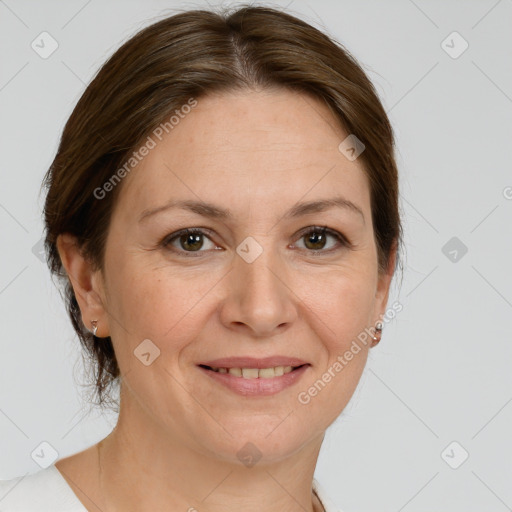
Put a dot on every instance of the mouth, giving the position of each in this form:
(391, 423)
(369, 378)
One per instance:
(254, 373)
(255, 377)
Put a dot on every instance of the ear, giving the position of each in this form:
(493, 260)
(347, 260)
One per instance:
(87, 284)
(383, 285)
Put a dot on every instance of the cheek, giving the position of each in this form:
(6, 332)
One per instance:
(155, 303)
(343, 301)
(340, 311)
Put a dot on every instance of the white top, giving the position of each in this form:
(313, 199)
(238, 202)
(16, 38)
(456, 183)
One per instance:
(48, 491)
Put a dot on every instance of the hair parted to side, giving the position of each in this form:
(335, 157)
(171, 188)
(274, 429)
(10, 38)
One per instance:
(189, 55)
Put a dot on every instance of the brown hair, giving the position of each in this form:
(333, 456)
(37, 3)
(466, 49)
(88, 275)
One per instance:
(191, 54)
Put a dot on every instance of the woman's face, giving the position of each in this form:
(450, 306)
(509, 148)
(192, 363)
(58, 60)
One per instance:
(254, 284)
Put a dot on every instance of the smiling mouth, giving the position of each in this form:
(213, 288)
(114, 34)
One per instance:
(254, 373)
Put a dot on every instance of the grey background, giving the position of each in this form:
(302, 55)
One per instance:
(442, 371)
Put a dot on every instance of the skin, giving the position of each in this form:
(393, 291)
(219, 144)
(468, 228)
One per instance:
(175, 445)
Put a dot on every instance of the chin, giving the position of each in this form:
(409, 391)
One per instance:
(254, 441)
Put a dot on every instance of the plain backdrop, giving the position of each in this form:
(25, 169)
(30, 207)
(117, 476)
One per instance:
(429, 425)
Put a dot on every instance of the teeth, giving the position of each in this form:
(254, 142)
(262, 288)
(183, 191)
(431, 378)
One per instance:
(266, 373)
(250, 373)
(255, 373)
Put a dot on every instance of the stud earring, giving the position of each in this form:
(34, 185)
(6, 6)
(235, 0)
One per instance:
(378, 330)
(94, 324)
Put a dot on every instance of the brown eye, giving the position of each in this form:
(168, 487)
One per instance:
(187, 241)
(316, 239)
(191, 241)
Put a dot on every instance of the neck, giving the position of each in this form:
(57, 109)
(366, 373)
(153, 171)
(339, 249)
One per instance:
(143, 468)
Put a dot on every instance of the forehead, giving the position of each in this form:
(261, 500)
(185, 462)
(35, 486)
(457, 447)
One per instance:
(252, 149)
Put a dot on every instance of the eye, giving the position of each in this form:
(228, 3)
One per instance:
(316, 239)
(192, 240)
(189, 240)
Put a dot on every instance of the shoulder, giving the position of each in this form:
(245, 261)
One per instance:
(329, 505)
(43, 491)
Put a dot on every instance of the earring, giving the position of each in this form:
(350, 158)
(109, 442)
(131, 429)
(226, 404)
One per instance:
(94, 324)
(378, 329)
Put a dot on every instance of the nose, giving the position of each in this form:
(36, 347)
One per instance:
(258, 300)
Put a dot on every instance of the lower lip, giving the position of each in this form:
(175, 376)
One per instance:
(257, 387)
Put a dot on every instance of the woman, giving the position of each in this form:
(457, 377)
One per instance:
(223, 210)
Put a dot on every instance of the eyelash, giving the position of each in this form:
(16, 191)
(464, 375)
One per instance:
(324, 230)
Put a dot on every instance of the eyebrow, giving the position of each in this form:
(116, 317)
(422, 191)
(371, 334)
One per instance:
(215, 212)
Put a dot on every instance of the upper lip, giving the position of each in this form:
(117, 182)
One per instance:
(253, 362)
